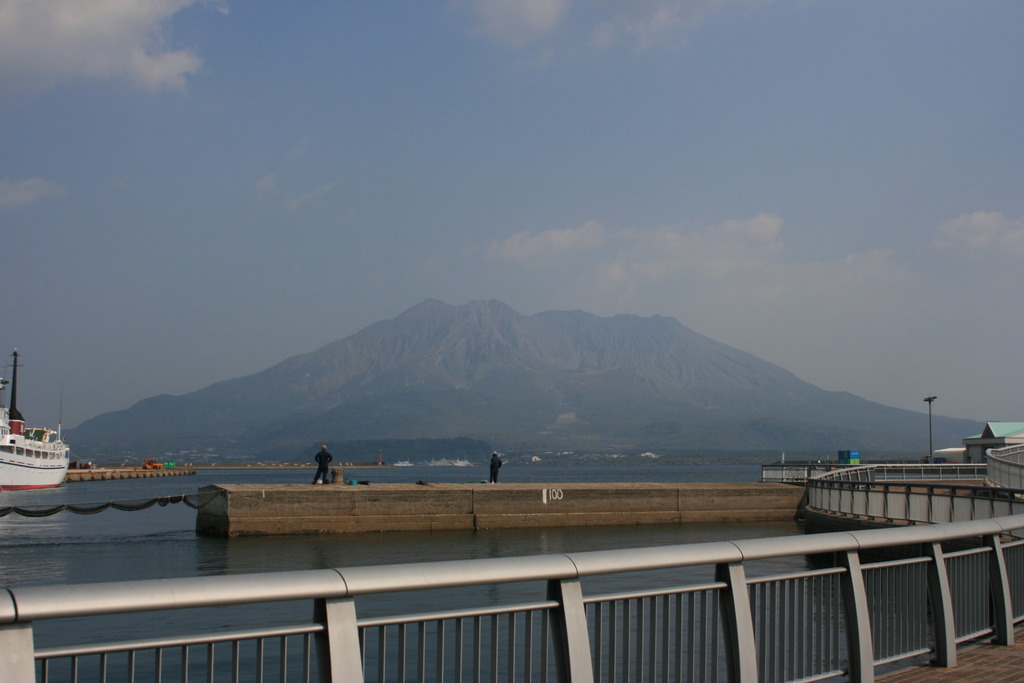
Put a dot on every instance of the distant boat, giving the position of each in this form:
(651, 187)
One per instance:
(403, 463)
(30, 458)
(445, 462)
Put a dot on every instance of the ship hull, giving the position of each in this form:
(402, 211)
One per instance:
(17, 475)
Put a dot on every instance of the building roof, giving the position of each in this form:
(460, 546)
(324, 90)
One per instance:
(1001, 430)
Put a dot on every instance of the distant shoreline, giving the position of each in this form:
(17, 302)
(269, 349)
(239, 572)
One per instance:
(252, 466)
(287, 465)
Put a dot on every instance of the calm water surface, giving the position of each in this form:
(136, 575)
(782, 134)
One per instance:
(160, 542)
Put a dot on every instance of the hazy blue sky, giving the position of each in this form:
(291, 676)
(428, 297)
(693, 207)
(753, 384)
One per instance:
(193, 191)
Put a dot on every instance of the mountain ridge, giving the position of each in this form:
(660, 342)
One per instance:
(553, 379)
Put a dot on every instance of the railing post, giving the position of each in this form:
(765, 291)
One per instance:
(858, 622)
(569, 632)
(738, 623)
(17, 653)
(338, 656)
(999, 585)
(942, 606)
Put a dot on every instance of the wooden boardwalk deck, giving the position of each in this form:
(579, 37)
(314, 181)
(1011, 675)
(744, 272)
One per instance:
(979, 663)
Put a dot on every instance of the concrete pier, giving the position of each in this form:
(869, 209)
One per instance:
(109, 474)
(254, 509)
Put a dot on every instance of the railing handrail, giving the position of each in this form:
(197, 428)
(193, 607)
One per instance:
(920, 494)
(1007, 451)
(745, 608)
(1006, 466)
(881, 472)
(976, 490)
(31, 603)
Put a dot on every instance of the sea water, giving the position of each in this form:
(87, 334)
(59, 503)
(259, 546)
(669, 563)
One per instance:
(160, 542)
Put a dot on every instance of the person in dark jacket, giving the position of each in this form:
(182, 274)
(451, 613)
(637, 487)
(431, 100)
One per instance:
(323, 459)
(495, 466)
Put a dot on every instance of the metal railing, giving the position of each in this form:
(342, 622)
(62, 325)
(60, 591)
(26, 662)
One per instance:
(799, 473)
(795, 472)
(911, 494)
(708, 612)
(907, 472)
(1006, 466)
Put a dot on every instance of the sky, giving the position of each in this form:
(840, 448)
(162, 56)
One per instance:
(192, 191)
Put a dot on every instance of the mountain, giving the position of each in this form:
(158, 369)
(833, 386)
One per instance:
(558, 380)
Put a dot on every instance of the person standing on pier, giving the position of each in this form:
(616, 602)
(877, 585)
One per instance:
(495, 466)
(323, 459)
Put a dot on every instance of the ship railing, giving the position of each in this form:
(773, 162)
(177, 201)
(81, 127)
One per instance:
(847, 606)
(1006, 466)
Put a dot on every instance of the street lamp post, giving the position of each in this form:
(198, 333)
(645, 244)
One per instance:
(929, 401)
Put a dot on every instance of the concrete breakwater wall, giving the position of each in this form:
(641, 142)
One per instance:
(254, 509)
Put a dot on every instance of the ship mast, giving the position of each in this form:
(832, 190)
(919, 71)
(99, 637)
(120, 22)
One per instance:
(16, 419)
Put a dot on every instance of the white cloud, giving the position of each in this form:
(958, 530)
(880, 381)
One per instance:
(983, 232)
(655, 26)
(558, 243)
(641, 23)
(625, 255)
(293, 204)
(15, 193)
(730, 280)
(716, 252)
(518, 22)
(266, 183)
(761, 228)
(647, 23)
(45, 42)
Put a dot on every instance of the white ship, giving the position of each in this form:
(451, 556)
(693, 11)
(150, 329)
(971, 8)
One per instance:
(30, 457)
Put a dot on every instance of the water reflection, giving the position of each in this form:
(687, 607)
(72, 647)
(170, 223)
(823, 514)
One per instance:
(279, 553)
(261, 554)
